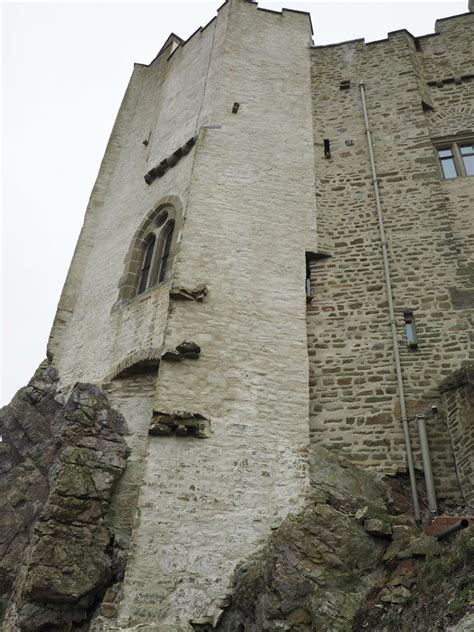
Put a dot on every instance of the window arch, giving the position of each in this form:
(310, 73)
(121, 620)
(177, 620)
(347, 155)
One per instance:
(149, 260)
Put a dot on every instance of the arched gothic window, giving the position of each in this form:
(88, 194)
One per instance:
(156, 250)
(149, 260)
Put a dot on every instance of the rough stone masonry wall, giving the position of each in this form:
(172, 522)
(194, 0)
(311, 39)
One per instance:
(133, 396)
(458, 399)
(205, 504)
(354, 403)
(449, 57)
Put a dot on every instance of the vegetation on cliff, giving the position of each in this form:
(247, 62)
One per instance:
(353, 560)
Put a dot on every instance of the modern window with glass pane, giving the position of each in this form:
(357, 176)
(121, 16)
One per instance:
(467, 155)
(456, 159)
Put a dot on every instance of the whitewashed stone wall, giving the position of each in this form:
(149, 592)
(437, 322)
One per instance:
(249, 219)
(248, 195)
(133, 397)
(87, 342)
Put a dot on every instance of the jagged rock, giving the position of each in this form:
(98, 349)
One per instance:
(395, 549)
(412, 545)
(61, 464)
(328, 568)
(318, 565)
(379, 528)
(403, 520)
(395, 594)
(440, 591)
(424, 546)
(466, 624)
(403, 532)
(346, 487)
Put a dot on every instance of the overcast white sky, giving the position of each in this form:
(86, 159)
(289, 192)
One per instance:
(65, 67)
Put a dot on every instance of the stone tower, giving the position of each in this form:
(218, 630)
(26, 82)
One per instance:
(230, 327)
(213, 143)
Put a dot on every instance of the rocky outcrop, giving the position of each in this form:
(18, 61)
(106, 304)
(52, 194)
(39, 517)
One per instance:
(60, 462)
(427, 593)
(351, 560)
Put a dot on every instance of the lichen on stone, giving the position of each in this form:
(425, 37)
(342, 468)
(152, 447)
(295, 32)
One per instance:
(61, 464)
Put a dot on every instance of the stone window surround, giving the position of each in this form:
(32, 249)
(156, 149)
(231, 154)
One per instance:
(160, 234)
(129, 282)
(453, 143)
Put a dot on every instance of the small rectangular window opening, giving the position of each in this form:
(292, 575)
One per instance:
(327, 148)
(446, 160)
(309, 294)
(410, 331)
(467, 156)
(456, 158)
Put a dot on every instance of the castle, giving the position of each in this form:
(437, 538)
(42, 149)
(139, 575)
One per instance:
(278, 252)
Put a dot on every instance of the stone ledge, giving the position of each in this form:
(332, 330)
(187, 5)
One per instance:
(459, 378)
(180, 423)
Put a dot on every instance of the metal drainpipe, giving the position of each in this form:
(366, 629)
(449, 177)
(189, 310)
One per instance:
(425, 454)
(388, 285)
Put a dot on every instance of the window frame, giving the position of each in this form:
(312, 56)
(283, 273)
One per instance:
(146, 264)
(162, 237)
(453, 144)
(129, 282)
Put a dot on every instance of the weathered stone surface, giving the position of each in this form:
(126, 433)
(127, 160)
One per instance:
(189, 294)
(426, 594)
(184, 351)
(458, 400)
(189, 349)
(319, 564)
(345, 487)
(380, 528)
(61, 464)
(395, 594)
(354, 399)
(245, 209)
(315, 571)
(322, 570)
(180, 423)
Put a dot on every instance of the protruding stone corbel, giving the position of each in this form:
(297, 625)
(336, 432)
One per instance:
(186, 294)
(187, 350)
(180, 423)
(168, 163)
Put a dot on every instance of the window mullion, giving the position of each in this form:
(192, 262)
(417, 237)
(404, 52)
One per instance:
(458, 161)
(155, 260)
